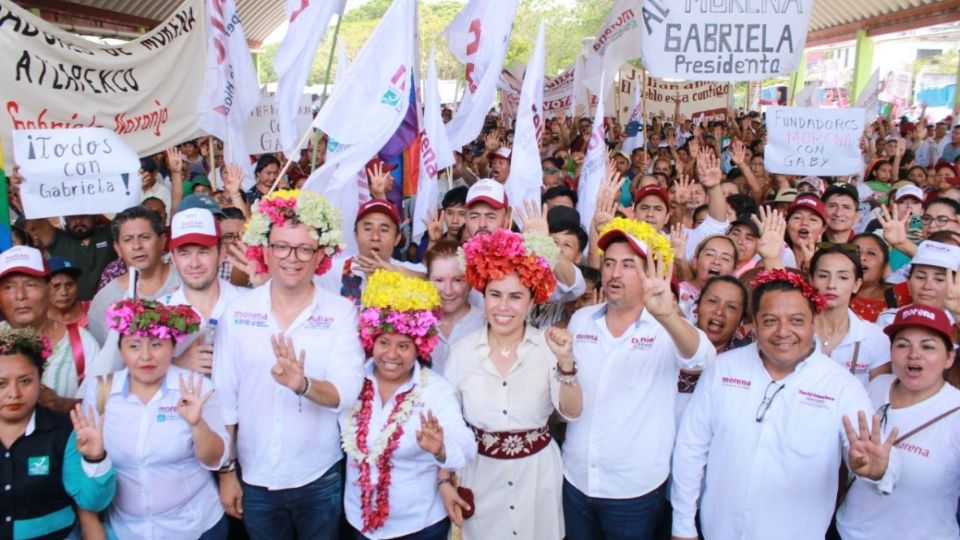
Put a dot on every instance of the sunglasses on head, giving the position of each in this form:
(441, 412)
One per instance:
(849, 248)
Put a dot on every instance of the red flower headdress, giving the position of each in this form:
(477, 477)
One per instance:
(489, 257)
(796, 280)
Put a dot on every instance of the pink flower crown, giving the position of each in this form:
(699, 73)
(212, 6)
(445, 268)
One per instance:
(27, 338)
(489, 257)
(796, 280)
(420, 326)
(147, 318)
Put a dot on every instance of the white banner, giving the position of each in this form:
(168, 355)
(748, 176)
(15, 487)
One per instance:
(478, 38)
(558, 92)
(262, 131)
(230, 87)
(526, 172)
(75, 171)
(634, 122)
(55, 79)
(869, 98)
(809, 96)
(593, 171)
(435, 152)
(365, 109)
(620, 39)
(818, 142)
(724, 41)
(696, 99)
(308, 21)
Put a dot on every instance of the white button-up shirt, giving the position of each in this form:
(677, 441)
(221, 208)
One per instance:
(228, 292)
(415, 501)
(775, 478)
(874, 348)
(285, 441)
(163, 490)
(466, 325)
(620, 448)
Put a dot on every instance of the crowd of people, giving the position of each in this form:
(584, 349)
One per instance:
(723, 352)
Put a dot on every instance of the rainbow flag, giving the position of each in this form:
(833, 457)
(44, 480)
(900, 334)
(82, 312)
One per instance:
(411, 167)
(5, 240)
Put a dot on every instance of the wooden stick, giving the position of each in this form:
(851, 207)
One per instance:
(213, 163)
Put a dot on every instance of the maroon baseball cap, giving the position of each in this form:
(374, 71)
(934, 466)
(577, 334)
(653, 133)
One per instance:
(379, 206)
(654, 190)
(808, 202)
(921, 315)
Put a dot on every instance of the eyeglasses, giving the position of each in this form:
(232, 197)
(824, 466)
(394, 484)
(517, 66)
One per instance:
(941, 220)
(303, 253)
(882, 413)
(230, 238)
(768, 399)
(849, 248)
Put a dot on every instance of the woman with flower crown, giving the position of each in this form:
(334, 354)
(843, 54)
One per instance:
(164, 429)
(407, 423)
(49, 467)
(510, 377)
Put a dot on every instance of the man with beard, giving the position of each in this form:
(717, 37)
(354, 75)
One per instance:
(85, 243)
(195, 250)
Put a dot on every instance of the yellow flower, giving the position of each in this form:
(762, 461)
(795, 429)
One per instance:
(284, 194)
(392, 290)
(658, 243)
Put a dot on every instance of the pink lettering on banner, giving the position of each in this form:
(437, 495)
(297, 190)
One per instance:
(304, 4)
(625, 21)
(146, 121)
(472, 48)
(428, 156)
(40, 122)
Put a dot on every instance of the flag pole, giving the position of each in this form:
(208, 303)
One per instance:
(213, 163)
(326, 83)
(306, 134)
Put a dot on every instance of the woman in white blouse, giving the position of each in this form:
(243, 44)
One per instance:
(859, 346)
(406, 424)
(926, 410)
(457, 317)
(163, 429)
(510, 377)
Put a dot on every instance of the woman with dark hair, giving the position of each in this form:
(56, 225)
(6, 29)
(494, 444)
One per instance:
(916, 404)
(50, 466)
(715, 256)
(874, 295)
(265, 172)
(857, 345)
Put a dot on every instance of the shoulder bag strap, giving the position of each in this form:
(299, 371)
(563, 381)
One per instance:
(76, 346)
(853, 361)
(925, 425)
(104, 384)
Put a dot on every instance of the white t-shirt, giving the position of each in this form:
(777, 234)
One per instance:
(923, 503)
(874, 348)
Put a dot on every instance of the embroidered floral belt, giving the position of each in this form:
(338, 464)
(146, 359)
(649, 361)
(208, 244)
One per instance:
(511, 444)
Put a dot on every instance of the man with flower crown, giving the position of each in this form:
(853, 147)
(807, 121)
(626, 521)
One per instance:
(287, 360)
(760, 444)
(630, 351)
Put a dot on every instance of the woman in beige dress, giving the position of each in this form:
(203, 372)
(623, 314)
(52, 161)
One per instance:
(510, 377)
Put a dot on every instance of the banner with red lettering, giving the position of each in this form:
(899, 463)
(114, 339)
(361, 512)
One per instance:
(660, 97)
(146, 90)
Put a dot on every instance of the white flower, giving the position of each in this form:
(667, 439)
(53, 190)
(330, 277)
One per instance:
(512, 445)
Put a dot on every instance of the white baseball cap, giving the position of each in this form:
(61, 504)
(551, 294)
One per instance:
(23, 260)
(909, 191)
(193, 226)
(930, 253)
(488, 191)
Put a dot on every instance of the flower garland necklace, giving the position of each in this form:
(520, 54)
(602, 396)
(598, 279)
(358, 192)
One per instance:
(354, 440)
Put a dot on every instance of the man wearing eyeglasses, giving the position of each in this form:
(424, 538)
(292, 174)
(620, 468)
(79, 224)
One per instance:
(762, 439)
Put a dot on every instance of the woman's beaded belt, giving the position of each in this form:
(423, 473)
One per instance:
(511, 444)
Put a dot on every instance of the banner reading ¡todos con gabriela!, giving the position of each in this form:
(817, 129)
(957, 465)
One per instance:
(146, 90)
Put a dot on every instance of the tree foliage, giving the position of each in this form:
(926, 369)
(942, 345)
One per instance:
(567, 26)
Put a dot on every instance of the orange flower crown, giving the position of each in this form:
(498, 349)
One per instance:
(489, 257)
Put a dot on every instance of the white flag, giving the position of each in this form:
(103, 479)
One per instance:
(618, 40)
(869, 97)
(435, 152)
(230, 86)
(808, 97)
(636, 115)
(478, 38)
(593, 170)
(366, 108)
(580, 94)
(343, 64)
(308, 21)
(526, 172)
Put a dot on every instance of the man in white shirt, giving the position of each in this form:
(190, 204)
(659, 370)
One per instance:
(630, 351)
(377, 231)
(760, 443)
(287, 359)
(195, 251)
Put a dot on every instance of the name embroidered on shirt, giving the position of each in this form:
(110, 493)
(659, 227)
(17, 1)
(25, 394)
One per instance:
(250, 318)
(914, 449)
(642, 344)
(736, 383)
(320, 322)
(588, 338)
(814, 399)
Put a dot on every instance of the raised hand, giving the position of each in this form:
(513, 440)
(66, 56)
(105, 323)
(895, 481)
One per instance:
(805, 249)
(434, 226)
(190, 406)
(952, 300)
(174, 161)
(695, 143)
(534, 218)
(607, 198)
(232, 178)
(580, 111)
(288, 370)
(655, 280)
(430, 436)
(371, 264)
(772, 227)
(561, 344)
(738, 152)
(238, 257)
(381, 181)
(682, 191)
(89, 433)
(868, 456)
(708, 168)
(492, 141)
(894, 228)
(678, 239)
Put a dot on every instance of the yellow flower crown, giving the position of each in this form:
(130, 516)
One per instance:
(659, 244)
(392, 290)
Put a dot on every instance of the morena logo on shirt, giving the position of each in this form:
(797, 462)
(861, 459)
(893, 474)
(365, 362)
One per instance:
(641, 343)
(914, 449)
(585, 338)
(250, 318)
(735, 382)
